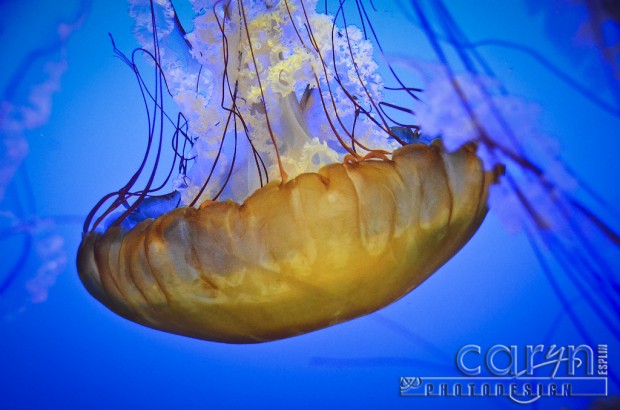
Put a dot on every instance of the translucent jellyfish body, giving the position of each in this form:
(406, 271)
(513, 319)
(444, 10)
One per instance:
(301, 203)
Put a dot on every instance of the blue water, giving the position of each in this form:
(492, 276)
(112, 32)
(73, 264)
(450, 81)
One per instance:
(67, 351)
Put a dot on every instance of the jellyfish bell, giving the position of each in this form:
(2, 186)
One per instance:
(306, 205)
(321, 249)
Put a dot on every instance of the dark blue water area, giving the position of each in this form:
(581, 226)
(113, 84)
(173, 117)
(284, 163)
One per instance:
(60, 348)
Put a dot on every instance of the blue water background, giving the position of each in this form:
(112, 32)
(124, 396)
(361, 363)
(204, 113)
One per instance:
(70, 352)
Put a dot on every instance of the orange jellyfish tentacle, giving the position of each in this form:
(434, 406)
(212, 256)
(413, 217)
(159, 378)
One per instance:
(260, 86)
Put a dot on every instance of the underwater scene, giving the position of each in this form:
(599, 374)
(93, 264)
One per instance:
(407, 204)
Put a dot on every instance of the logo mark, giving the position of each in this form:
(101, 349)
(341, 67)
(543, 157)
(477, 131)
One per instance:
(523, 375)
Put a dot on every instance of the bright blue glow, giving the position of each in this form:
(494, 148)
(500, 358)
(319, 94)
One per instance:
(71, 352)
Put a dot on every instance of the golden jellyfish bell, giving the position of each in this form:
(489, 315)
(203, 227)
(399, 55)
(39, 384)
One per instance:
(314, 247)
(321, 249)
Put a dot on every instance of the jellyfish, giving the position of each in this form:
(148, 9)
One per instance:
(571, 228)
(310, 189)
(547, 195)
(305, 197)
(29, 240)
